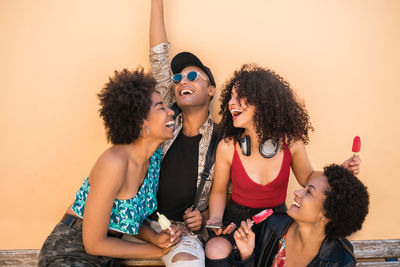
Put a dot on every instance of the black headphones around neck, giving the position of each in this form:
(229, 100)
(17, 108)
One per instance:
(267, 150)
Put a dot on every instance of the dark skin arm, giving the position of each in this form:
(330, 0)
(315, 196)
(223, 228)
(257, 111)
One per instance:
(98, 208)
(158, 33)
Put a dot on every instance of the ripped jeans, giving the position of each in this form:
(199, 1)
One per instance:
(189, 244)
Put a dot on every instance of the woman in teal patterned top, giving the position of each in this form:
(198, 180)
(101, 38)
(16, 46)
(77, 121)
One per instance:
(120, 191)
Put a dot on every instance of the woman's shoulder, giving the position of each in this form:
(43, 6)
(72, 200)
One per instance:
(113, 156)
(112, 161)
(279, 223)
(295, 145)
(225, 148)
(226, 145)
(275, 226)
(337, 250)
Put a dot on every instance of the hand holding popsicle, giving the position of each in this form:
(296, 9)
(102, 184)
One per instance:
(353, 163)
(245, 237)
(165, 238)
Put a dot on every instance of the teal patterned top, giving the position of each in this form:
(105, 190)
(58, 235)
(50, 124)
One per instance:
(128, 215)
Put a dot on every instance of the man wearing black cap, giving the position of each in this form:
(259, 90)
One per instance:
(181, 195)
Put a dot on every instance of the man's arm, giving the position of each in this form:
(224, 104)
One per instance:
(159, 47)
(158, 34)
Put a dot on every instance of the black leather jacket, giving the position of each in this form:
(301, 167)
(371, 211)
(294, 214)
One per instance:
(333, 252)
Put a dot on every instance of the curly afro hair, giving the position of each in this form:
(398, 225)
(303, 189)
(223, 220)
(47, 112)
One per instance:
(125, 102)
(346, 203)
(277, 115)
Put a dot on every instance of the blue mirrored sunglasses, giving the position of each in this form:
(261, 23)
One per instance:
(190, 76)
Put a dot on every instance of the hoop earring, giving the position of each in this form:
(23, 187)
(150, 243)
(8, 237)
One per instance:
(147, 130)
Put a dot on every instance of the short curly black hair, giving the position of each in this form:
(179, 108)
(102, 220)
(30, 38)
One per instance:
(125, 102)
(278, 114)
(346, 203)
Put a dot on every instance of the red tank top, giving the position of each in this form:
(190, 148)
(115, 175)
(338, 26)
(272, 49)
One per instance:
(250, 194)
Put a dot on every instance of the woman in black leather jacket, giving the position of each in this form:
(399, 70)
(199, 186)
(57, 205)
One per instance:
(330, 207)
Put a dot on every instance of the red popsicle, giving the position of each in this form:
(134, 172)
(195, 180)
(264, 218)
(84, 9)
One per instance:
(261, 216)
(356, 144)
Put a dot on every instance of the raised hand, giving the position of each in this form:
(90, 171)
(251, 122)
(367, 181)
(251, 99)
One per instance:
(245, 239)
(353, 164)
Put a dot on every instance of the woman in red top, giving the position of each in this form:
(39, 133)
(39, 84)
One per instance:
(258, 107)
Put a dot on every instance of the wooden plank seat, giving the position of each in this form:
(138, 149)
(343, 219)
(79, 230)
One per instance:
(377, 252)
(368, 252)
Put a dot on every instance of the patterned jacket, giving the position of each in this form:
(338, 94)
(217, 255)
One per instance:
(159, 62)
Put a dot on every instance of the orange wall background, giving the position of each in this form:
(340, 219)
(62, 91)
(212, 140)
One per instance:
(341, 57)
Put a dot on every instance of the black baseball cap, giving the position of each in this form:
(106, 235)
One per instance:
(184, 59)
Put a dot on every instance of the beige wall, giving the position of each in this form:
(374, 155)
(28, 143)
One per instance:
(341, 57)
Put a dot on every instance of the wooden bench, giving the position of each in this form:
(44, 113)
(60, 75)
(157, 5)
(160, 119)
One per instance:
(377, 252)
(368, 252)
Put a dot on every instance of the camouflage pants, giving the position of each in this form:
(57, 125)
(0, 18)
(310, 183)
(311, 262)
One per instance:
(64, 247)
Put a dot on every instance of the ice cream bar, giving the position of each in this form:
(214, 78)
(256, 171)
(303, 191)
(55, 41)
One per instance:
(261, 216)
(356, 144)
(163, 221)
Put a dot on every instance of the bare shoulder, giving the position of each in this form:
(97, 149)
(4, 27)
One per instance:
(114, 156)
(225, 149)
(296, 146)
(111, 164)
(226, 145)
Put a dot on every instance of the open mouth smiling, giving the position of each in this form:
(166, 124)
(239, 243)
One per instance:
(186, 92)
(170, 124)
(297, 205)
(236, 112)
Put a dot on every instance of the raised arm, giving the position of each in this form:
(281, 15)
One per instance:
(303, 170)
(301, 165)
(158, 34)
(159, 48)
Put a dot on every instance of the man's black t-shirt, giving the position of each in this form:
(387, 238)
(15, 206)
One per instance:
(178, 177)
